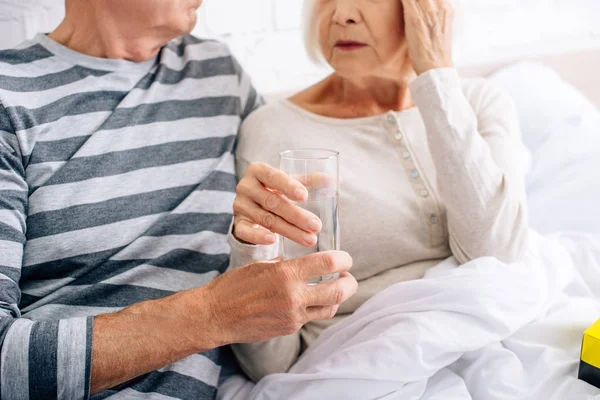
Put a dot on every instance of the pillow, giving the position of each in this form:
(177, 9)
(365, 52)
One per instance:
(561, 129)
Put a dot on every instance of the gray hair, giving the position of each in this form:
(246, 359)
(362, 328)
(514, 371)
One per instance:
(311, 35)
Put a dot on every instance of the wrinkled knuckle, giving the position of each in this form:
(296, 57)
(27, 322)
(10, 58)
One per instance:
(286, 324)
(268, 221)
(270, 175)
(272, 202)
(338, 295)
(292, 328)
(328, 262)
(287, 330)
(282, 273)
(287, 304)
(237, 207)
(293, 302)
(289, 278)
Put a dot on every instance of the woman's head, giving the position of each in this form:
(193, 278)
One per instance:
(355, 37)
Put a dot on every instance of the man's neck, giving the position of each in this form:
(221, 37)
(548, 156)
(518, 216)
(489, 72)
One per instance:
(80, 32)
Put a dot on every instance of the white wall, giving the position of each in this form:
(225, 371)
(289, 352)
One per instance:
(266, 37)
(22, 19)
(265, 34)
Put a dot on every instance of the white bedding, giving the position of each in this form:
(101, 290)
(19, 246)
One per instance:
(484, 330)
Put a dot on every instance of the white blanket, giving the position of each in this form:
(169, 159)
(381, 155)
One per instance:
(484, 330)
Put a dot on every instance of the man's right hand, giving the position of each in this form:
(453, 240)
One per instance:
(264, 300)
(247, 304)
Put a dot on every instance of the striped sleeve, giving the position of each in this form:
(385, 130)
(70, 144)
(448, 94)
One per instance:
(38, 359)
(250, 98)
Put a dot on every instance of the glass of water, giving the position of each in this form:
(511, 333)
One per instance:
(318, 171)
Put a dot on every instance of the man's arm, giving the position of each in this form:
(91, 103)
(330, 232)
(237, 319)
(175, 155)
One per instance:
(250, 99)
(72, 358)
(38, 359)
(147, 336)
(249, 304)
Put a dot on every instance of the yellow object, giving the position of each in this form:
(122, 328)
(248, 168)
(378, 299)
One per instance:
(589, 367)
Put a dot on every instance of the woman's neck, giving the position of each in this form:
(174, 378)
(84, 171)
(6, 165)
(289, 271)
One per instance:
(372, 93)
(341, 97)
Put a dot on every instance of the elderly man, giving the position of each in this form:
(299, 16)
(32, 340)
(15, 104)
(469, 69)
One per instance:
(116, 186)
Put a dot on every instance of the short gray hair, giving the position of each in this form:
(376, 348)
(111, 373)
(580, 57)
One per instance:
(311, 35)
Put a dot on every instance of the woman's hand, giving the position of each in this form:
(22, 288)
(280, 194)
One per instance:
(263, 207)
(429, 33)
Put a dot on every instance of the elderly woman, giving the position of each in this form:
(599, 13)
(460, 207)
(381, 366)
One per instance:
(432, 164)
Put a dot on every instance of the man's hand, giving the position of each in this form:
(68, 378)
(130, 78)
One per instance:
(248, 304)
(263, 206)
(429, 33)
(269, 299)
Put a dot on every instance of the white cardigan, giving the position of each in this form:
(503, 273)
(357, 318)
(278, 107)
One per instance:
(444, 178)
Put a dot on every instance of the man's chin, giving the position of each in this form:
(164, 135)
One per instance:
(185, 26)
(193, 20)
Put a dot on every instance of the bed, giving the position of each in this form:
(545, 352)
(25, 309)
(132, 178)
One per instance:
(579, 68)
(519, 334)
(485, 330)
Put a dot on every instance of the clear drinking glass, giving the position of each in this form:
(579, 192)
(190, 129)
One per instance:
(318, 170)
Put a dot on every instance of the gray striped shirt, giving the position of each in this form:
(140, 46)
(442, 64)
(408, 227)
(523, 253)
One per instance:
(116, 186)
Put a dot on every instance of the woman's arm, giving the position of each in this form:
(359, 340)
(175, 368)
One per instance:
(272, 356)
(479, 159)
(476, 149)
